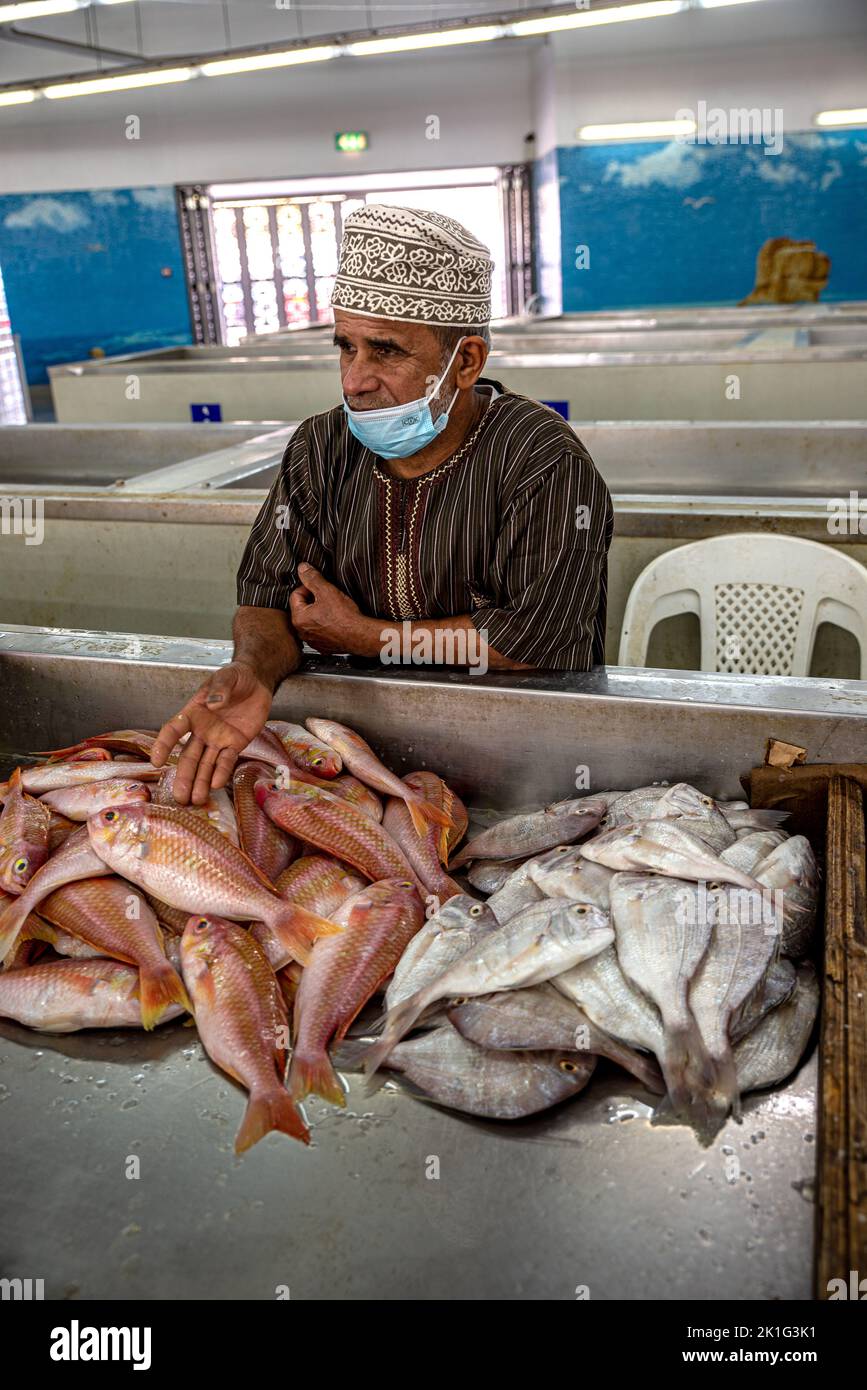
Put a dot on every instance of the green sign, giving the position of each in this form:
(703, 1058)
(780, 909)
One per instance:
(350, 141)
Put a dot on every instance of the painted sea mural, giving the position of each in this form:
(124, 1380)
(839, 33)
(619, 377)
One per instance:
(666, 224)
(99, 269)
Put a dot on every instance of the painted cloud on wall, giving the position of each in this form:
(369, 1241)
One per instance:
(673, 166)
(57, 216)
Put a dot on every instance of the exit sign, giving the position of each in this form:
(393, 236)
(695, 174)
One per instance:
(350, 141)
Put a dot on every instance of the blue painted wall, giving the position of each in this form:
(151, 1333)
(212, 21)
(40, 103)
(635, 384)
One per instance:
(671, 224)
(84, 270)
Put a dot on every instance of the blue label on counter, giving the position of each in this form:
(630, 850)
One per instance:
(208, 410)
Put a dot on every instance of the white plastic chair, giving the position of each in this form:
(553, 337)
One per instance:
(759, 600)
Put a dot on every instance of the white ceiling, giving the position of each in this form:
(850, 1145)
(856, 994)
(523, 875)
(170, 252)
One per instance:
(165, 28)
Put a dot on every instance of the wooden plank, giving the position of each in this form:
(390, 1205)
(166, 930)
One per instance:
(826, 803)
(841, 1237)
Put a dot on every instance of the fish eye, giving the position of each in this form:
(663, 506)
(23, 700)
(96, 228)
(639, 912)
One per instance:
(580, 908)
(714, 887)
(707, 801)
(111, 815)
(316, 762)
(476, 911)
(456, 1003)
(562, 849)
(20, 865)
(406, 884)
(202, 924)
(566, 1065)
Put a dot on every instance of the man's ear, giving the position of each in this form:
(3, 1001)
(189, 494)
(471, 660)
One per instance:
(471, 358)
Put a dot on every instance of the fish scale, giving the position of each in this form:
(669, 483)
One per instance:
(344, 972)
(331, 824)
(242, 1021)
(182, 859)
(98, 911)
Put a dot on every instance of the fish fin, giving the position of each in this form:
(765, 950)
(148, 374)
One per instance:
(768, 820)
(11, 921)
(397, 1025)
(298, 930)
(425, 814)
(315, 1075)
(158, 988)
(265, 1113)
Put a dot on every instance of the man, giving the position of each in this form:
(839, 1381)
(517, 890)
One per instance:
(433, 504)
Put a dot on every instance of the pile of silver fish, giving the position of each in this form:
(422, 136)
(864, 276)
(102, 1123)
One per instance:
(657, 928)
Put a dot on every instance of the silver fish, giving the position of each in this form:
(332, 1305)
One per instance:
(758, 819)
(741, 949)
(535, 831)
(599, 987)
(771, 1051)
(696, 812)
(498, 1085)
(792, 870)
(663, 847)
(564, 872)
(779, 984)
(540, 1018)
(490, 874)
(443, 939)
(751, 847)
(661, 936)
(517, 892)
(541, 941)
(634, 805)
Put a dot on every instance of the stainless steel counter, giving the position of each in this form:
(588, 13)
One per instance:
(587, 1195)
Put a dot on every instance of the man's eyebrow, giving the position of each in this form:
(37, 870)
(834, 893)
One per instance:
(339, 341)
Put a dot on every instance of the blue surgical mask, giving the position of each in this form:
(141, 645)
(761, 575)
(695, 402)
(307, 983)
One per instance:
(401, 430)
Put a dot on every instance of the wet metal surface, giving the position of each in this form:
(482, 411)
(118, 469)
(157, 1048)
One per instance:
(396, 1198)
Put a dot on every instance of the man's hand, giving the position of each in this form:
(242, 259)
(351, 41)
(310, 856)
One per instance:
(326, 618)
(223, 716)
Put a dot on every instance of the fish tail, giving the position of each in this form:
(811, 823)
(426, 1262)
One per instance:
(315, 1075)
(397, 1024)
(425, 814)
(725, 1096)
(298, 930)
(264, 1113)
(674, 1062)
(159, 987)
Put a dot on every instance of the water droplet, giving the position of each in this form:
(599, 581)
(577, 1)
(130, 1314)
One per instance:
(128, 1104)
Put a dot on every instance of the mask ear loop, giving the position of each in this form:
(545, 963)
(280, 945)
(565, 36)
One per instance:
(444, 416)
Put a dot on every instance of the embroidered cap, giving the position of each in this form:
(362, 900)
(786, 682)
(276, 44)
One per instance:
(414, 265)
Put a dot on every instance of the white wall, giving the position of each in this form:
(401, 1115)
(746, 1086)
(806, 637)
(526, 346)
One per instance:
(800, 78)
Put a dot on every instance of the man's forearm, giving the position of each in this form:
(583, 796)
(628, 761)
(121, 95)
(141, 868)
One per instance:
(266, 642)
(450, 641)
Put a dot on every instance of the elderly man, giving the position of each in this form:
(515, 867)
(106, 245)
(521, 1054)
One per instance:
(433, 508)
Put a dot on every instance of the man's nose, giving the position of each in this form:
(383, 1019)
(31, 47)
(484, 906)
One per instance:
(359, 378)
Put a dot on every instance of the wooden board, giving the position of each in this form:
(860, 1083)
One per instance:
(826, 802)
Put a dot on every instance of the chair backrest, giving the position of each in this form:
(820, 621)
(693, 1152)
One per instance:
(760, 600)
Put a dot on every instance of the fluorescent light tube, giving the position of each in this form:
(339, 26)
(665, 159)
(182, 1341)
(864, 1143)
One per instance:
(225, 67)
(156, 78)
(658, 9)
(636, 130)
(857, 116)
(401, 44)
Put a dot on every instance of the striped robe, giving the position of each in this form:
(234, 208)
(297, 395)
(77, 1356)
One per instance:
(515, 533)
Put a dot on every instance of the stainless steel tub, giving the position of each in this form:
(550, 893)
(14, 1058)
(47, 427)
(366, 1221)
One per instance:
(100, 455)
(587, 1195)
